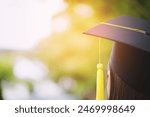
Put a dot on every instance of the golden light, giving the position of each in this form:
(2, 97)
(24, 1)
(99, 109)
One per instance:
(84, 10)
(61, 24)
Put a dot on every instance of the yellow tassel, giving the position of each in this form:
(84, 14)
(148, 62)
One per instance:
(100, 83)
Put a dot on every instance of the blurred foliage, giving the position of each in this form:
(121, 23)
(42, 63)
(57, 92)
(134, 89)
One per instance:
(6, 68)
(6, 71)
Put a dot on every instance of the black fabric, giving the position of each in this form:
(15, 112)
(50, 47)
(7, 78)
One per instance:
(132, 65)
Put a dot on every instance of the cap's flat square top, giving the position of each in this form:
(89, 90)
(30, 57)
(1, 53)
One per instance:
(132, 22)
(122, 35)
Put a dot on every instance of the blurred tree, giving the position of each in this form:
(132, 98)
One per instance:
(70, 53)
(6, 73)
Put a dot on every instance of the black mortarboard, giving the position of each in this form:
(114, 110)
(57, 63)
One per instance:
(130, 57)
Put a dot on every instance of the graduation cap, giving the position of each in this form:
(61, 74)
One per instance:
(130, 57)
